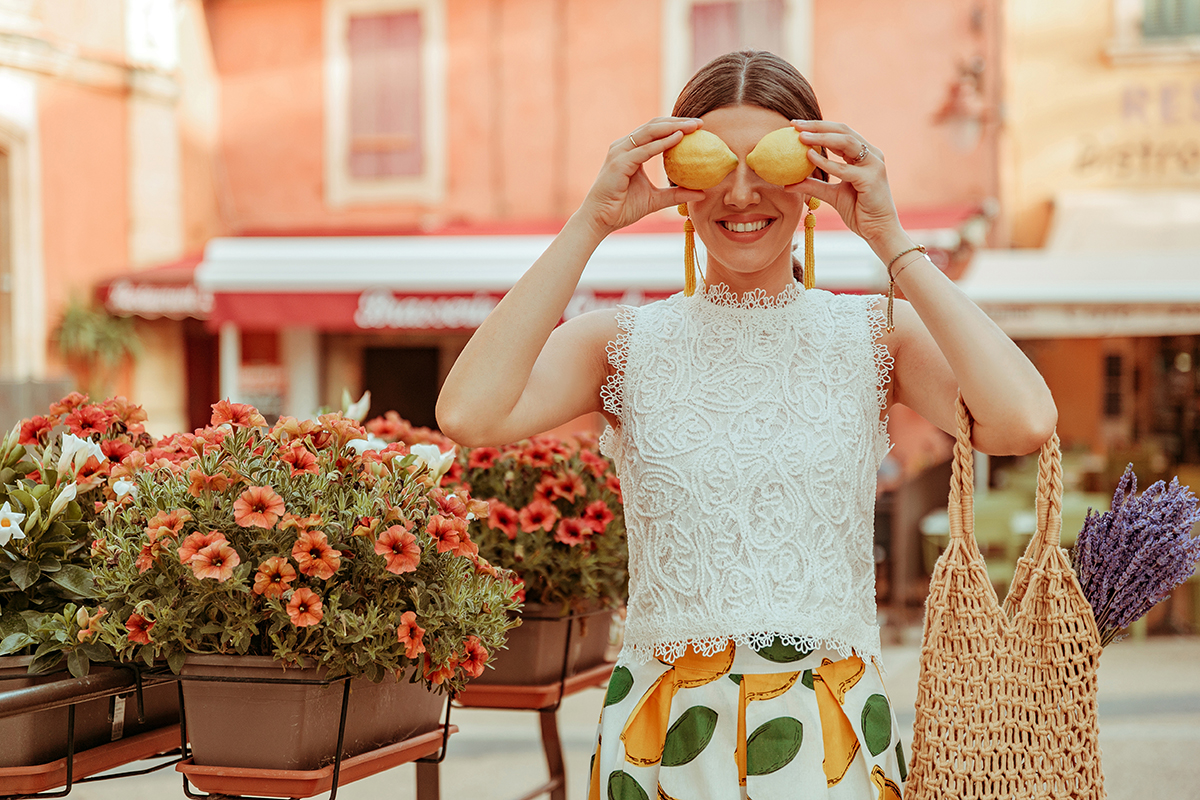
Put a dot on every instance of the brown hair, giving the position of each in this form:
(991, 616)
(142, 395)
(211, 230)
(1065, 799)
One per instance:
(754, 78)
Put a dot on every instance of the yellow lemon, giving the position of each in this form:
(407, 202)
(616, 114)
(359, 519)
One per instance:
(700, 161)
(780, 158)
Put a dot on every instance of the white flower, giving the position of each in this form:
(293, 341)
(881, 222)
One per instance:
(75, 452)
(372, 442)
(60, 503)
(437, 461)
(356, 411)
(10, 524)
(124, 486)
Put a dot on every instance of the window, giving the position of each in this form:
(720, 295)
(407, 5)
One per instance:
(1148, 31)
(1171, 18)
(735, 25)
(384, 101)
(1112, 386)
(696, 31)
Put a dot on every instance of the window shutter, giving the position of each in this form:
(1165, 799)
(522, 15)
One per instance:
(1167, 18)
(385, 95)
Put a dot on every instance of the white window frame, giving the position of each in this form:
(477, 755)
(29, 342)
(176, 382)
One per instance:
(341, 187)
(677, 42)
(1129, 46)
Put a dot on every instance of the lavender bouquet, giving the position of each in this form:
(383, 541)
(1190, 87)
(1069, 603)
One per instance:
(1130, 558)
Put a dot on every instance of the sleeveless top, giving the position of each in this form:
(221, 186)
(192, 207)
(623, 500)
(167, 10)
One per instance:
(748, 442)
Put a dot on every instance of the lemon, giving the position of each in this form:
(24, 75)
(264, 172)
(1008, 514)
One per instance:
(780, 158)
(700, 161)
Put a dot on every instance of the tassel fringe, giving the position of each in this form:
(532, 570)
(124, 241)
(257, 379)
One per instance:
(689, 252)
(810, 221)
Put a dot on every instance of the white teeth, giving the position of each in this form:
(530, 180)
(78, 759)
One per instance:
(746, 227)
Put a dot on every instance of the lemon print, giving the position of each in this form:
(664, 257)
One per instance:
(700, 161)
(780, 158)
(768, 686)
(831, 682)
(887, 789)
(841, 676)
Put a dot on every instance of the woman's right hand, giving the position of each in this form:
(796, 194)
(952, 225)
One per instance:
(622, 193)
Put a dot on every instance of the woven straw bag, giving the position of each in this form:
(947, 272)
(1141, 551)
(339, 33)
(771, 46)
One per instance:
(1006, 700)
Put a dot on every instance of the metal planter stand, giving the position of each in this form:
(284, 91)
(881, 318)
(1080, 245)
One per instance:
(69, 692)
(546, 700)
(398, 748)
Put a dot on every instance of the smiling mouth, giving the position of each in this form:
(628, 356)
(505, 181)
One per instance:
(745, 227)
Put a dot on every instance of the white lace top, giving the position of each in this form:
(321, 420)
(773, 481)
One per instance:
(747, 448)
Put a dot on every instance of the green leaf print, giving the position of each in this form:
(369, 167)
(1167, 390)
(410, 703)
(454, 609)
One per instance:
(782, 653)
(900, 761)
(689, 735)
(773, 745)
(807, 678)
(877, 723)
(618, 686)
(736, 678)
(622, 786)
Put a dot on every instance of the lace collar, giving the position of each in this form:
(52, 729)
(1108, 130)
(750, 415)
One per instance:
(720, 295)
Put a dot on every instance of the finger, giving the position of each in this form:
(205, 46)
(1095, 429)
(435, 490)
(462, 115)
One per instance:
(825, 192)
(824, 126)
(843, 171)
(655, 130)
(843, 144)
(655, 147)
(673, 196)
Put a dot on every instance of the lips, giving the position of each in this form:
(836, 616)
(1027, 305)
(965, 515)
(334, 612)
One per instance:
(745, 227)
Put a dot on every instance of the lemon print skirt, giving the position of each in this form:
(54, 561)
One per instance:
(764, 725)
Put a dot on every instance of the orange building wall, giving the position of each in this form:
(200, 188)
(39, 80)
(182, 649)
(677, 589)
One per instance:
(84, 168)
(1073, 371)
(884, 69)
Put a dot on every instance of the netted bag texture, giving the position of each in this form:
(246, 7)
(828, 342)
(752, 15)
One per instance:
(1006, 699)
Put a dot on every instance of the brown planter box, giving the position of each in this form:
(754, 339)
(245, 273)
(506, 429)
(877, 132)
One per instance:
(41, 737)
(534, 655)
(281, 726)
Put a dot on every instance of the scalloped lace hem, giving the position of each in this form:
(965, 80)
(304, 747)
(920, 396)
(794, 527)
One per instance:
(708, 646)
(613, 390)
(884, 363)
(719, 294)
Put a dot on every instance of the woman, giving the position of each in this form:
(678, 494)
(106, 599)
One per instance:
(746, 425)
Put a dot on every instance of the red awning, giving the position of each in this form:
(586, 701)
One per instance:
(166, 291)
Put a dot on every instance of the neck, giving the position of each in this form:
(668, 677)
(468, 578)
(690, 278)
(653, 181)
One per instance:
(772, 280)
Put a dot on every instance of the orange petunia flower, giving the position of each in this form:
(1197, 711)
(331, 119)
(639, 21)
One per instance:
(568, 487)
(503, 518)
(215, 561)
(438, 676)
(304, 608)
(300, 459)
(87, 420)
(597, 464)
(411, 635)
(399, 547)
(518, 583)
(482, 458)
(598, 515)
(239, 415)
(291, 522)
(475, 658)
(573, 531)
(167, 524)
(201, 483)
(196, 542)
(35, 431)
(447, 532)
(148, 555)
(273, 577)
(540, 514)
(68, 404)
(613, 484)
(259, 506)
(138, 629)
(314, 555)
(449, 505)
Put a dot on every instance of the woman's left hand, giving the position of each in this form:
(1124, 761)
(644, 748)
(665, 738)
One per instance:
(862, 198)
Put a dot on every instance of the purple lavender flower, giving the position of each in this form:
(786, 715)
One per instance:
(1130, 558)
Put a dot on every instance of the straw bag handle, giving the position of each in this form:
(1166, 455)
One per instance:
(961, 508)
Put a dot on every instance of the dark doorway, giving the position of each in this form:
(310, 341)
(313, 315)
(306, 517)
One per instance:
(201, 358)
(404, 380)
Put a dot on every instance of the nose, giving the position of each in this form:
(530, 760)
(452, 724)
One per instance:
(743, 189)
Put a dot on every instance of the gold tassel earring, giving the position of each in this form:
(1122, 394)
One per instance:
(810, 221)
(689, 252)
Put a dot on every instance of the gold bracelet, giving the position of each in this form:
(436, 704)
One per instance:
(892, 281)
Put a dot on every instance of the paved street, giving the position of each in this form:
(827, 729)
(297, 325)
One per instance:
(1149, 731)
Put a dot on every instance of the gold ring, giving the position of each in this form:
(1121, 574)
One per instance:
(635, 144)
